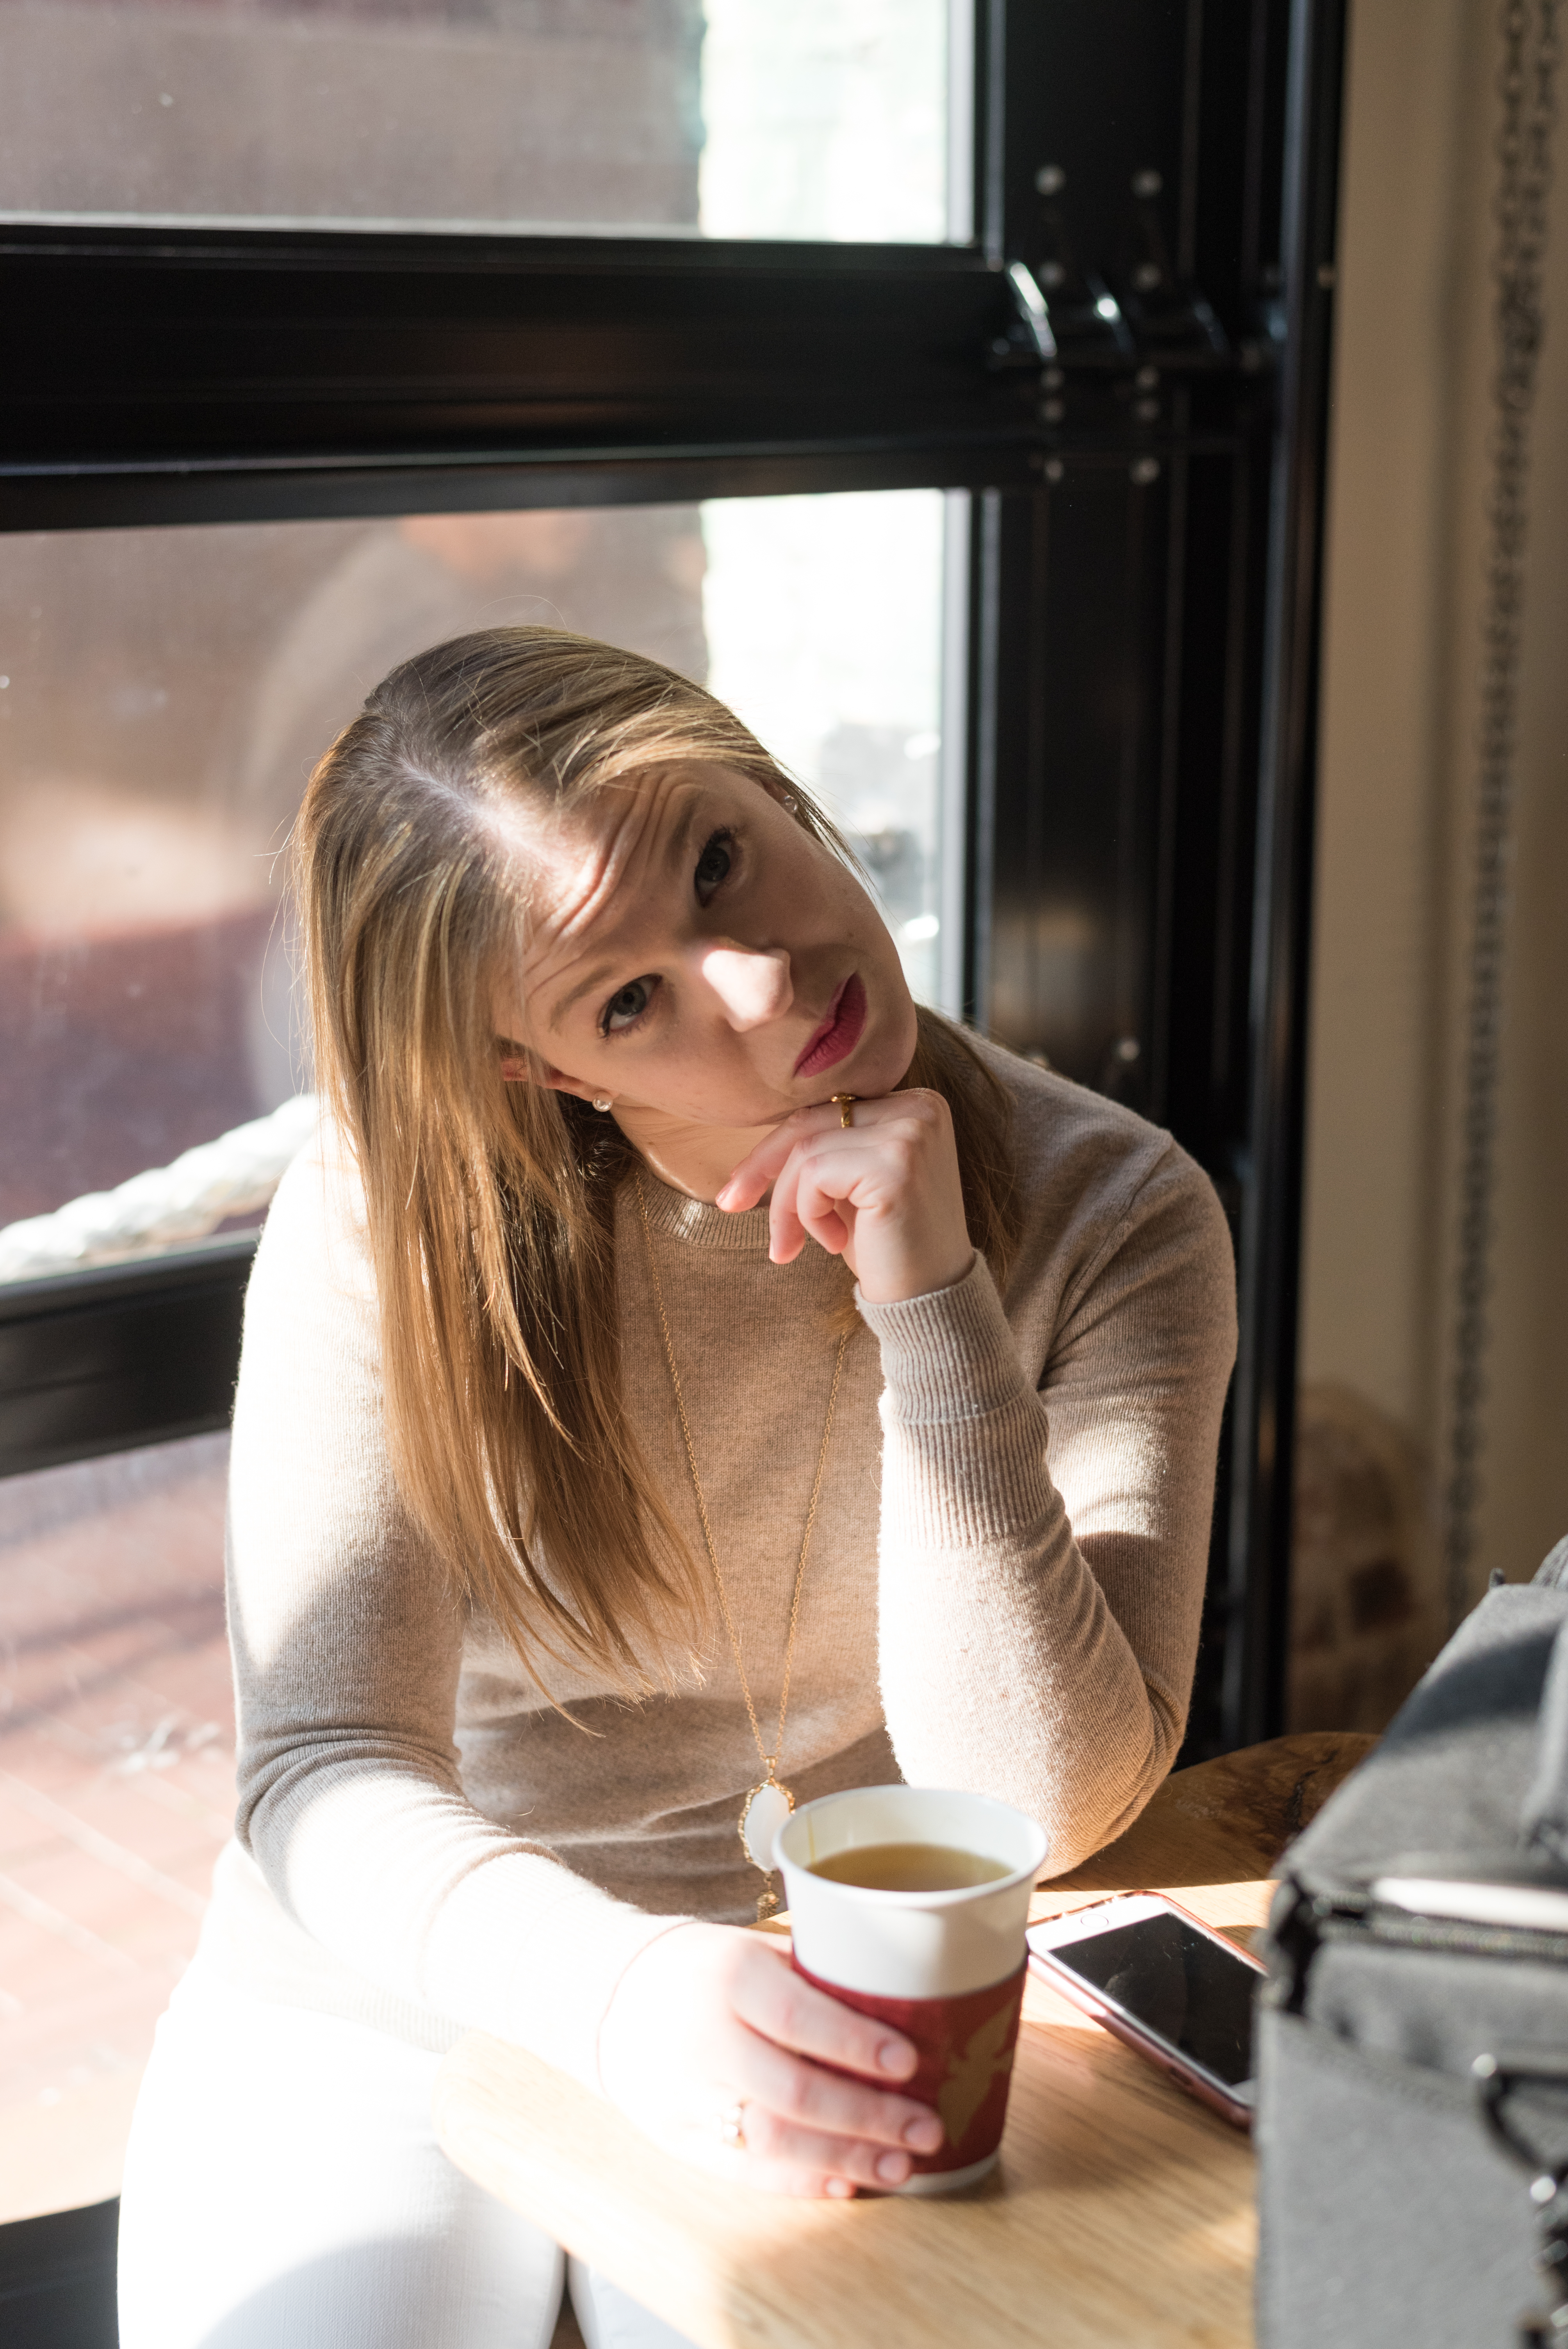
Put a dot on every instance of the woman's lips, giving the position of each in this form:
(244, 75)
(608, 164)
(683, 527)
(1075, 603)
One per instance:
(839, 1033)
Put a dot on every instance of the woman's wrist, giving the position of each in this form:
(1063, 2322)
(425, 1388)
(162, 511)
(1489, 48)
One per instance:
(949, 1352)
(904, 1284)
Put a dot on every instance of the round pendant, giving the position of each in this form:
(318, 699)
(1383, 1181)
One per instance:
(767, 1808)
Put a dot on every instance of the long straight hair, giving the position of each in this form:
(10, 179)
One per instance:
(490, 1205)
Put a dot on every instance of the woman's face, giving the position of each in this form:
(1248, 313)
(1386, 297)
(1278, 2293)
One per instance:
(692, 952)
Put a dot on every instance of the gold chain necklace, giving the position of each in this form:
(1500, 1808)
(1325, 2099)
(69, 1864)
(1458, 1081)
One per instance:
(769, 1803)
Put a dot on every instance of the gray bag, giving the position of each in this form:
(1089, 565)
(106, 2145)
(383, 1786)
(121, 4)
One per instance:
(1412, 2122)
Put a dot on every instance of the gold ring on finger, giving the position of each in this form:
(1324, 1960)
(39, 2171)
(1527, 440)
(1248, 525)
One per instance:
(844, 1103)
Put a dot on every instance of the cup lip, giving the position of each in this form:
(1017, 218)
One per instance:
(884, 1897)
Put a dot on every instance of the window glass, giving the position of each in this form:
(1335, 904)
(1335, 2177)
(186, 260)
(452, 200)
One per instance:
(117, 1793)
(825, 119)
(165, 694)
(824, 633)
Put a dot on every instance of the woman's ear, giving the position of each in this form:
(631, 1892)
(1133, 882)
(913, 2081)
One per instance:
(520, 1068)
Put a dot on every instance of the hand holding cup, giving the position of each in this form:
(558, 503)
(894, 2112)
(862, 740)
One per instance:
(709, 2023)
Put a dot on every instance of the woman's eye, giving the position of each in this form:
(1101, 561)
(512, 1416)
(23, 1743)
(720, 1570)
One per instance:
(713, 866)
(626, 1007)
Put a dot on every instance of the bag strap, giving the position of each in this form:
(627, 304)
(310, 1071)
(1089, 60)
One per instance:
(1553, 1570)
(1543, 1816)
(1497, 2079)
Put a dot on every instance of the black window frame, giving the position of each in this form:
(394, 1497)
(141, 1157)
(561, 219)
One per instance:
(161, 375)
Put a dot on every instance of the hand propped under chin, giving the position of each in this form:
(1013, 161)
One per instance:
(883, 1192)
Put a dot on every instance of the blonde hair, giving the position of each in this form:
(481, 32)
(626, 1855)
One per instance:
(491, 1205)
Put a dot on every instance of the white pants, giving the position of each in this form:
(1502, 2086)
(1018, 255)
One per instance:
(283, 2189)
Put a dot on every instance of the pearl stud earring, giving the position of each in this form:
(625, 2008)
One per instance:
(791, 802)
(601, 1102)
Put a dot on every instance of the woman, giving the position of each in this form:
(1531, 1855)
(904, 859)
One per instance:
(683, 1369)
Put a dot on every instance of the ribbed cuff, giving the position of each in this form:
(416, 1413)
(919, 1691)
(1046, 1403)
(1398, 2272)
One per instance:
(948, 1355)
(964, 1461)
(530, 1952)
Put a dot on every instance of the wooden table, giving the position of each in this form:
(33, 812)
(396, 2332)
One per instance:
(1121, 2212)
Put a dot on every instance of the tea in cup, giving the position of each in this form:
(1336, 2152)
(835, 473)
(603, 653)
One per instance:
(910, 1904)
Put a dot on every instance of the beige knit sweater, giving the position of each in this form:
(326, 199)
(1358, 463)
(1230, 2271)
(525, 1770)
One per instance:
(1003, 1594)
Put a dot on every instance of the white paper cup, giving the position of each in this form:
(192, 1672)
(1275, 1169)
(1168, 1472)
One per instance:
(944, 1968)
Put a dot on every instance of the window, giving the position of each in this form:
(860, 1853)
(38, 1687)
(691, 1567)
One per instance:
(169, 694)
(826, 119)
(946, 385)
(116, 1739)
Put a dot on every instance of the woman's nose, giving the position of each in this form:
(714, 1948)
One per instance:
(752, 988)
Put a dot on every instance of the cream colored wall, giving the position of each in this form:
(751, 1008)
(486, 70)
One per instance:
(1407, 489)
(1369, 1238)
(1526, 1506)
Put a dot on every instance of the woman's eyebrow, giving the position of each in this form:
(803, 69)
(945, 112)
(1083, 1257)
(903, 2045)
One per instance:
(596, 978)
(678, 848)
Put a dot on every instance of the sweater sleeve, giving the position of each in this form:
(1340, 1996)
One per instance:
(1043, 1549)
(348, 1647)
